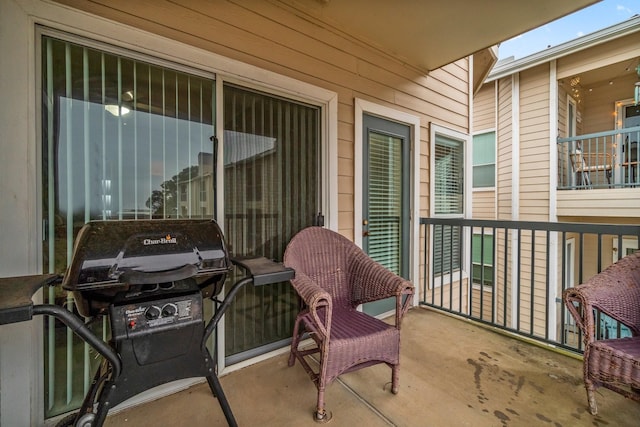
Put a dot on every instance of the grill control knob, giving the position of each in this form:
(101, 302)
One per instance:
(169, 310)
(152, 312)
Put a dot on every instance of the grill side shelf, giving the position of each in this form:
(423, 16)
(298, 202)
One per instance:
(16, 304)
(265, 271)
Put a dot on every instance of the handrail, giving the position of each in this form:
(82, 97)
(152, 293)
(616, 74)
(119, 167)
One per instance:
(599, 134)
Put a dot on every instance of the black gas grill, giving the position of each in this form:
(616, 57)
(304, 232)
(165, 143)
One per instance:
(126, 262)
(150, 278)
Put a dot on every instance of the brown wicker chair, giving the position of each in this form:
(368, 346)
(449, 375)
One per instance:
(332, 277)
(611, 363)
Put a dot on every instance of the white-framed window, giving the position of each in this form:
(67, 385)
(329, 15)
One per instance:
(482, 248)
(451, 198)
(484, 160)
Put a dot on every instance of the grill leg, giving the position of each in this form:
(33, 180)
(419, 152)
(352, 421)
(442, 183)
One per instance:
(216, 389)
(103, 404)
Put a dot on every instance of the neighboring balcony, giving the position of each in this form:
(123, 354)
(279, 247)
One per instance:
(595, 164)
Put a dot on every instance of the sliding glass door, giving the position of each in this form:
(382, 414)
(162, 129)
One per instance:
(121, 139)
(129, 139)
(271, 191)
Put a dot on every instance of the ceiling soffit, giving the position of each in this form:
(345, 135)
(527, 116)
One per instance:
(429, 34)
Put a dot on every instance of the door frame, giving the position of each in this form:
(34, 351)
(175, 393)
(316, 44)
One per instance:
(362, 107)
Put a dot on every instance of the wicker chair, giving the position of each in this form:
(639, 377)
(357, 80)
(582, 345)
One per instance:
(611, 363)
(333, 277)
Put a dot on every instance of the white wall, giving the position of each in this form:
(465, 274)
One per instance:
(18, 239)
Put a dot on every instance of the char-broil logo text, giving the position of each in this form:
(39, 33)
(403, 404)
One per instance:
(161, 241)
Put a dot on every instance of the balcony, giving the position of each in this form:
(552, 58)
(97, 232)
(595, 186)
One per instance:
(490, 344)
(453, 372)
(599, 162)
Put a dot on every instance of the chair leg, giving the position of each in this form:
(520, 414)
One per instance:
(395, 378)
(321, 415)
(591, 397)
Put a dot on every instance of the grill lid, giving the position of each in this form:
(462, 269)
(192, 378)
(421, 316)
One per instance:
(112, 253)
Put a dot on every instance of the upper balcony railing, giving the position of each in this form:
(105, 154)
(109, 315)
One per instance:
(599, 160)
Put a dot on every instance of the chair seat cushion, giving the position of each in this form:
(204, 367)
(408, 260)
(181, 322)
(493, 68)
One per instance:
(615, 360)
(358, 340)
(352, 324)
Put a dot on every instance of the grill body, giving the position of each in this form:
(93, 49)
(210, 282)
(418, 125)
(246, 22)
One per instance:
(159, 340)
(113, 259)
(150, 277)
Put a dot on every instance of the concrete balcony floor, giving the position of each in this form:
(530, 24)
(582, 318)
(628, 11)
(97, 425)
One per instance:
(453, 373)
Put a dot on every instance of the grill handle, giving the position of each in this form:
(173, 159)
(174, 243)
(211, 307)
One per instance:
(134, 277)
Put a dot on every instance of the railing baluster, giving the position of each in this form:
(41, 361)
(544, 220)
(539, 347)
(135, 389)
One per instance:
(533, 283)
(461, 258)
(547, 282)
(518, 278)
(506, 274)
(493, 275)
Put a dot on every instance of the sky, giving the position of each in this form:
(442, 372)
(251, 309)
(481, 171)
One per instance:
(580, 23)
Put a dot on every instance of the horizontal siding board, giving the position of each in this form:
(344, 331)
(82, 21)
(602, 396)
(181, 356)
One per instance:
(484, 204)
(619, 203)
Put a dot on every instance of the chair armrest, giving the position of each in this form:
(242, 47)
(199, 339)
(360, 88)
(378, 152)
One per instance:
(614, 292)
(372, 282)
(317, 300)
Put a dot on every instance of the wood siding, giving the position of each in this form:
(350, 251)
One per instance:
(534, 144)
(505, 148)
(599, 104)
(268, 36)
(615, 205)
(484, 108)
(484, 204)
(484, 119)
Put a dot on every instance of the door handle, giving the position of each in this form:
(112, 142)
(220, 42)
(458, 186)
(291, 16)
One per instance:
(365, 233)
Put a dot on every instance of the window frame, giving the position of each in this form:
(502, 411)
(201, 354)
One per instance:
(494, 163)
(361, 108)
(465, 139)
